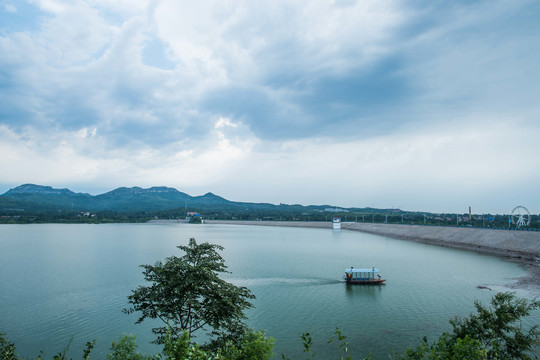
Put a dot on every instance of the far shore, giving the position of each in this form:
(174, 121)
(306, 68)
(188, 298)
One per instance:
(517, 246)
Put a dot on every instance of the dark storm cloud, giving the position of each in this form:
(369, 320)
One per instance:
(318, 106)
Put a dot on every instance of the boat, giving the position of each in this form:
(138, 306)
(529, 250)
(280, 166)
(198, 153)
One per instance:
(363, 276)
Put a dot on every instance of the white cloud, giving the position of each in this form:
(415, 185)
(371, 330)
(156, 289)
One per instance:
(32, 158)
(53, 6)
(343, 102)
(242, 41)
(223, 121)
(83, 155)
(481, 61)
(10, 8)
(441, 168)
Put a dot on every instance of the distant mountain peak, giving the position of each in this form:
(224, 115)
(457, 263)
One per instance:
(211, 198)
(161, 189)
(139, 190)
(37, 189)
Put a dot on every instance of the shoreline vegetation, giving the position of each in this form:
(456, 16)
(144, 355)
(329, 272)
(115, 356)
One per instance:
(493, 332)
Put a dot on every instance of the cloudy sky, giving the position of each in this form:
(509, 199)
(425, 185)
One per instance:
(418, 105)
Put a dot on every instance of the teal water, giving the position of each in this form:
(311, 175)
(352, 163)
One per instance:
(59, 281)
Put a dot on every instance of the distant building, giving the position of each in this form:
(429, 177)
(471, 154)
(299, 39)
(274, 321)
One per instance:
(335, 210)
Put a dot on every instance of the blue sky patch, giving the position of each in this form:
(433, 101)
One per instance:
(17, 16)
(155, 54)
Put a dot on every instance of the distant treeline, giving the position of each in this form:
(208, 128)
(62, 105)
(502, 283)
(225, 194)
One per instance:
(368, 216)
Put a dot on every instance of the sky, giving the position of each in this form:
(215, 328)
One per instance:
(418, 105)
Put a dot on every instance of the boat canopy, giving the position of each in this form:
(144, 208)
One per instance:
(353, 270)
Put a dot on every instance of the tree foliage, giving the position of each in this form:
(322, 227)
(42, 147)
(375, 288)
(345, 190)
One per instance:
(126, 349)
(494, 332)
(253, 346)
(445, 348)
(7, 349)
(186, 293)
(499, 328)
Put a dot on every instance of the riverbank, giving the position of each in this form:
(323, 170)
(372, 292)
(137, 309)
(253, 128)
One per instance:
(516, 246)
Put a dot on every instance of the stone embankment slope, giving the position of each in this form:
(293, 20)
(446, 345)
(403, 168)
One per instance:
(512, 243)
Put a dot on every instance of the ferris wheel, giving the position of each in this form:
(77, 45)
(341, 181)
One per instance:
(521, 216)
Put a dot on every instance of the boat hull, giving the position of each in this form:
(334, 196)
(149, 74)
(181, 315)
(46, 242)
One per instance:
(365, 282)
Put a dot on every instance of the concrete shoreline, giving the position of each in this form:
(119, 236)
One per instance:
(517, 246)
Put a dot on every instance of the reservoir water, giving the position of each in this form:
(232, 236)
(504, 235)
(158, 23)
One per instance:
(62, 281)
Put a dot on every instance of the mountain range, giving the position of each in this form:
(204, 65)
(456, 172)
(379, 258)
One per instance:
(30, 197)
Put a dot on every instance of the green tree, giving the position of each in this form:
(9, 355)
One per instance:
(253, 345)
(494, 332)
(446, 348)
(7, 349)
(126, 349)
(499, 328)
(186, 293)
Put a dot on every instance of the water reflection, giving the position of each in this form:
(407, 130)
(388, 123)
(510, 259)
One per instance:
(363, 291)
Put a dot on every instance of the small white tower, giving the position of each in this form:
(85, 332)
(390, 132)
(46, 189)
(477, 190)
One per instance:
(336, 223)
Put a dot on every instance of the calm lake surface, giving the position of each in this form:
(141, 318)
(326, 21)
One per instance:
(59, 281)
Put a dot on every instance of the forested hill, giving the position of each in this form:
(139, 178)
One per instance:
(35, 203)
(31, 198)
